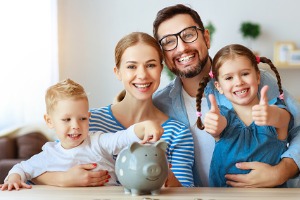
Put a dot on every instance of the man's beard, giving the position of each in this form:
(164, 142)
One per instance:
(192, 72)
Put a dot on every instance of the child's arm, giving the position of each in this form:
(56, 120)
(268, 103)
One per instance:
(148, 131)
(14, 182)
(265, 115)
(214, 122)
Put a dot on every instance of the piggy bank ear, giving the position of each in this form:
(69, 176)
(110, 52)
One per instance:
(134, 146)
(161, 144)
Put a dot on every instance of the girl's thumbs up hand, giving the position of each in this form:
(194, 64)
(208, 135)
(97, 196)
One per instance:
(261, 112)
(214, 122)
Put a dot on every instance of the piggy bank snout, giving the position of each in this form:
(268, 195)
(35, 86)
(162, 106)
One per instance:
(152, 169)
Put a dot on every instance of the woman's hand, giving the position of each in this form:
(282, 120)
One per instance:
(79, 175)
(172, 181)
(262, 174)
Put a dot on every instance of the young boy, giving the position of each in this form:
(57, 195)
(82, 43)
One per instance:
(68, 113)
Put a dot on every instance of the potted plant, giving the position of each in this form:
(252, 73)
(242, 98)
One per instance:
(211, 28)
(250, 31)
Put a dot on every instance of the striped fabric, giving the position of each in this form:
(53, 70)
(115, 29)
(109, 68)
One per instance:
(180, 151)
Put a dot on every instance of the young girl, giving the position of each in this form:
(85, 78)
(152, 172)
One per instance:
(253, 130)
(138, 60)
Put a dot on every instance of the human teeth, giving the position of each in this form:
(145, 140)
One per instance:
(142, 85)
(241, 92)
(185, 58)
(73, 135)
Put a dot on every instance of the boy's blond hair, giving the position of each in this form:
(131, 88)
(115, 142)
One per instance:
(66, 89)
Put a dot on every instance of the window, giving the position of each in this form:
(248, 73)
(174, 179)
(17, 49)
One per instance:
(29, 59)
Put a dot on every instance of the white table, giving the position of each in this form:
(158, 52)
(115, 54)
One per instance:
(42, 192)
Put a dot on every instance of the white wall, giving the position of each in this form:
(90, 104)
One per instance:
(90, 29)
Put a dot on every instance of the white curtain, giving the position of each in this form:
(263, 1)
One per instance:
(28, 59)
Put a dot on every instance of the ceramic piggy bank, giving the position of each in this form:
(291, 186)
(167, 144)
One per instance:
(142, 169)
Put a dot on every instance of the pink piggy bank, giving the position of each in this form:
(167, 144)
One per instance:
(142, 169)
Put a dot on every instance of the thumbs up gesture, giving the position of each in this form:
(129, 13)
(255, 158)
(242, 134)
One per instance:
(261, 113)
(214, 122)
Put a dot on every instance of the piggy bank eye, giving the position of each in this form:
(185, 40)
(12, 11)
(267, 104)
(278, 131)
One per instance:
(156, 154)
(146, 154)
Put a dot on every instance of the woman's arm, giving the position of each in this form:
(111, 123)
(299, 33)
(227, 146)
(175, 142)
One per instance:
(172, 181)
(76, 176)
(180, 152)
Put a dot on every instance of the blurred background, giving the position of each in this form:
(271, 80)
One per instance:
(42, 42)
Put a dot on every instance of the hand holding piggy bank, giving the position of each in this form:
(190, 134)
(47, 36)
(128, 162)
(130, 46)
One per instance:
(142, 169)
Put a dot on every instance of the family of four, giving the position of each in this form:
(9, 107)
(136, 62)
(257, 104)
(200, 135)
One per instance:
(216, 117)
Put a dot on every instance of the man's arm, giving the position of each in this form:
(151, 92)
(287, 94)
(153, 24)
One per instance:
(294, 108)
(262, 174)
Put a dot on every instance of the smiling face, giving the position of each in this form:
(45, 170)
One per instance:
(238, 81)
(140, 70)
(188, 59)
(70, 119)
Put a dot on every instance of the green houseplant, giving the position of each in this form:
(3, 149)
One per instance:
(211, 28)
(250, 31)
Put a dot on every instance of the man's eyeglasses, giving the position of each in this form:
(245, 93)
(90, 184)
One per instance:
(187, 35)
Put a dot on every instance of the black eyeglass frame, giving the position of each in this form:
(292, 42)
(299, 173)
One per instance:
(178, 34)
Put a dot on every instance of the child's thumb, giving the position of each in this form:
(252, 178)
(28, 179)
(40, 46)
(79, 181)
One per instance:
(214, 106)
(264, 96)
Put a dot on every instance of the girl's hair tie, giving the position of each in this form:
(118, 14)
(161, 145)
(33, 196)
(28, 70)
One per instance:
(257, 59)
(198, 114)
(211, 74)
(281, 96)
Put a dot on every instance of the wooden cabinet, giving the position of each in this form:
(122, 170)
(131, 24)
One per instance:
(288, 66)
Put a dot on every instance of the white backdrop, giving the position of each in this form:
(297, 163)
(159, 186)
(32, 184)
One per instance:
(90, 29)
(28, 63)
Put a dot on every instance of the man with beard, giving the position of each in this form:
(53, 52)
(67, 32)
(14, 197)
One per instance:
(185, 43)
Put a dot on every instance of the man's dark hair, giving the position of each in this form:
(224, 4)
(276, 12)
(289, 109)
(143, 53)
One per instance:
(168, 12)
